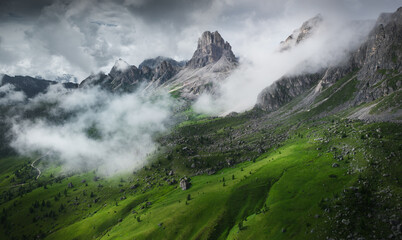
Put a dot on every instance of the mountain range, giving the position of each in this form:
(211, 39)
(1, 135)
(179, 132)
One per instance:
(375, 64)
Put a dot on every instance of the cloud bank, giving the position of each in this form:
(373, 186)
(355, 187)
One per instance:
(92, 129)
(8, 95)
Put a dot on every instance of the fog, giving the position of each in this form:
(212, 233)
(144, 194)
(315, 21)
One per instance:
(92, 129)
(8, 95)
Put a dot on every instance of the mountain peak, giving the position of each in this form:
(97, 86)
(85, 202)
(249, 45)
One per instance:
(211, 47)
(208, 38)
(304, 32)
(120, 65)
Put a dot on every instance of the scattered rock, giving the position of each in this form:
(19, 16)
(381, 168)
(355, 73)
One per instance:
(185, 183)
(134, 186)
(345, 221)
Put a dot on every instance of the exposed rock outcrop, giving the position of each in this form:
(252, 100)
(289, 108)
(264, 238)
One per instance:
(285, 89)
(125, 77)
(304, 32)
(185, 183)
(153, 63)
(212, 62)
(380, 59)
(164, 71)
(211, 48)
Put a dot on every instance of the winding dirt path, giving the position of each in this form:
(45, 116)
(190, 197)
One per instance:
(37, 169)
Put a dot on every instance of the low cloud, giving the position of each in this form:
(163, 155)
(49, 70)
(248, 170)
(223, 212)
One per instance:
(93, 129)
(8, 95)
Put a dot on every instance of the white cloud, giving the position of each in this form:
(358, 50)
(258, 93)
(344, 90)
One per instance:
(8, 95)
(112, 133)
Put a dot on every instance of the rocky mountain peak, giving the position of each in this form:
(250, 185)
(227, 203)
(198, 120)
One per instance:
(309, 27)
(211, 47)
(120, 66)
(299, 35)
(208, 38)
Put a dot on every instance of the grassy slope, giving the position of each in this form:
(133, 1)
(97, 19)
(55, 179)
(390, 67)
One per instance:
(281, 191)
(215, 209)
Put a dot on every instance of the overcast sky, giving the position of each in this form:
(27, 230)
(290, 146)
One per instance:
(55, 37)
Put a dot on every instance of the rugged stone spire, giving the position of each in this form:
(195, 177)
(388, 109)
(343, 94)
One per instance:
(211, 47)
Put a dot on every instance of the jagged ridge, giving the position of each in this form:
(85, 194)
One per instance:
(378, 61)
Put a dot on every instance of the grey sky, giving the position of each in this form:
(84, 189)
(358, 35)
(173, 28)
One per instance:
(55, 37)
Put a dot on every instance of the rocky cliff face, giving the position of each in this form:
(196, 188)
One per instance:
(377, 63)
(153, 63)
(212, 62)
(211, 48)
(125, 76)
(305, 31)
(164, 71)
(380, 59)
(285, 89)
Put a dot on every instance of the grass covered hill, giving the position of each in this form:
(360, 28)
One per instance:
(251, 176)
